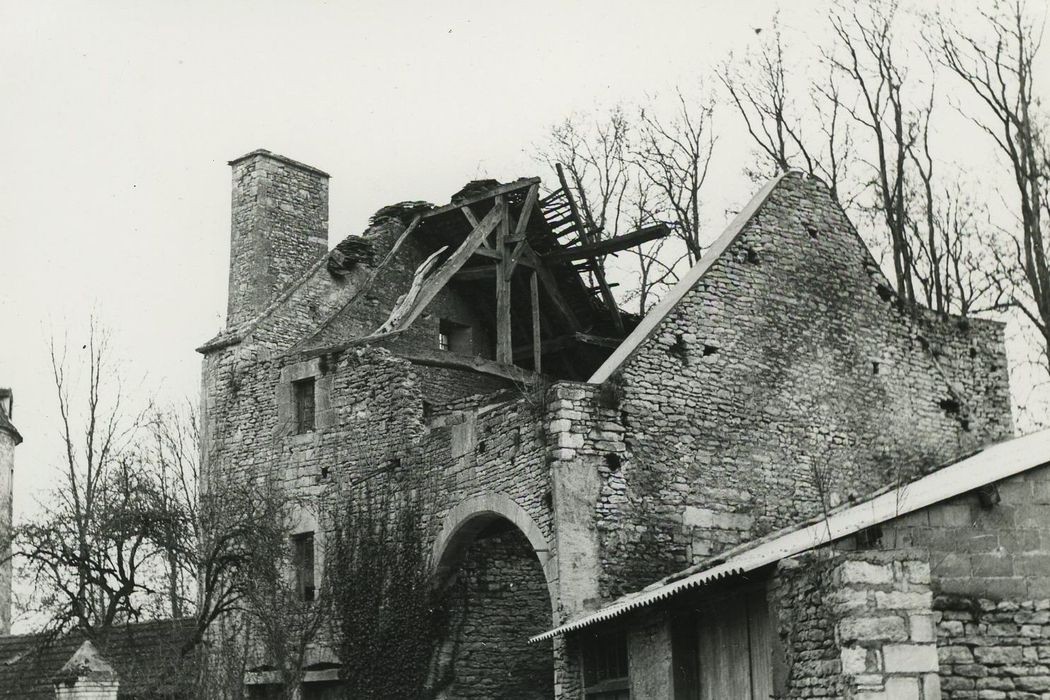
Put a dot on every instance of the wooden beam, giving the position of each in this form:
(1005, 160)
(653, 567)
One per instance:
(502, 189)
(437, 281)
(451, 360)
(585, 235)
(526, 211)
(503, 275)
(565, 341)
(610, 245)
(481, 272)
(537, 354)
(550, 285)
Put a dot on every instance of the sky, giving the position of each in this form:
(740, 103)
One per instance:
(119, 118)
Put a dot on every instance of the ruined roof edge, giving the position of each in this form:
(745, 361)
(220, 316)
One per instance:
(989, 465)
(651, 320)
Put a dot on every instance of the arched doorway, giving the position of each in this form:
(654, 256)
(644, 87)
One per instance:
(490, 559)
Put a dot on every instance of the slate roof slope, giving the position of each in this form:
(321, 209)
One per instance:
(144, 655)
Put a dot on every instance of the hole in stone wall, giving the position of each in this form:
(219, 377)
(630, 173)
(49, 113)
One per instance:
(884, 292)
(481, 446)
(324, 472)
(869, 537)
(973, 353)
(965, 423)
(924, 343)
(964, 324)
(548, 499)
(812, 230)
(752, 256)
(874, 367)
(612, 460)
(679, 349)
(710, 350)
(950, 406)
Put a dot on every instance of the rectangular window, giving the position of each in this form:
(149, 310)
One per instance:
(605, 667)
(454, 337)
(303, 564)
(303, 390)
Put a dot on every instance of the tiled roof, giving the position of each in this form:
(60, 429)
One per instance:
(146, 657)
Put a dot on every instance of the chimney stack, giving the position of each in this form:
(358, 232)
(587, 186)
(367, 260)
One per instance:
(279, 229)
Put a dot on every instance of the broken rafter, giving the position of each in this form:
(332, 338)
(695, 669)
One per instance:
(503, 275)
(453, 361)
(565, 341)
(588, 251)
(437, 281)
(495, 191)
(586, 235)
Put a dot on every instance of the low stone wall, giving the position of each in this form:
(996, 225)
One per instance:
(857, 625)
(993, 650)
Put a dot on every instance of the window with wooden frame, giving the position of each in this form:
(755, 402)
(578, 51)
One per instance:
(304, 398)
(454, 337)
(605, 675)
(303, 565)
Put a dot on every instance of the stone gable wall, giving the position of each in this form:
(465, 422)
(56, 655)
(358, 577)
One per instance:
(787, 378)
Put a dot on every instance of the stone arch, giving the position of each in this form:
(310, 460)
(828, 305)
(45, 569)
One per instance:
(469, 517)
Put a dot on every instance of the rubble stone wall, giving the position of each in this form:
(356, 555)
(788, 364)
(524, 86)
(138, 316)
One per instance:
(7, 465)
(500, 600)
(989, 555)
(856, 625)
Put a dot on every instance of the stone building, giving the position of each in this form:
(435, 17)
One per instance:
(9, 439)
(570, 454)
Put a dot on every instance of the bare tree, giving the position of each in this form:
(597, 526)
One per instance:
(90, 553)
(999, 70)
(759, 89)
(674, 156)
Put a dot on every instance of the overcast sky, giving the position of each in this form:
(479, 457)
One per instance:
(118, 119)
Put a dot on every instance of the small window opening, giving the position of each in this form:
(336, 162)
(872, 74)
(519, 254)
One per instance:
(454, 337)
(303, 391)
(303, 564)
(605, 667)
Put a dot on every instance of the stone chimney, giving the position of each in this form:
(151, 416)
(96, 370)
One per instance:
(279, 228)
(86, 676)
(9, 438)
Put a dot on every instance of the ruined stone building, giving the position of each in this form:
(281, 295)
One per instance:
(775, 484)
(9, 439)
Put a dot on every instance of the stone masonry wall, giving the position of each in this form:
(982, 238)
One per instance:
(785, 381)
(990, 566)
(856, 625)
(500, 600)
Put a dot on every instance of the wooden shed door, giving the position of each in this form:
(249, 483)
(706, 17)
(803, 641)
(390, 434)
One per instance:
(734, 648)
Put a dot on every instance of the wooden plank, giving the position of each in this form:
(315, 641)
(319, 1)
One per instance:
(481, 272)
(526, 211)
(436, 282)
(610, 245)
(550, 285)
(598, 340)
(504, 355)
(487, 252)
(451, 360)
(494, 192)
(470, 216)
(537, 354)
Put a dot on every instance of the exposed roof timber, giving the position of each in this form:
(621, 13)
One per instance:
(550, 286)
(437, 281)
(610, 245)
(564, 341)
(451, 360)
(489, 194)
(992, 464)
(657, 314)
(480, 272)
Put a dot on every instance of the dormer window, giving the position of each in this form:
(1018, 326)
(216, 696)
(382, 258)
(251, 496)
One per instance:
(454, 337)
(305, 406)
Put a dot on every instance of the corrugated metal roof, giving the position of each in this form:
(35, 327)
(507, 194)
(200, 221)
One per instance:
(991, 464)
